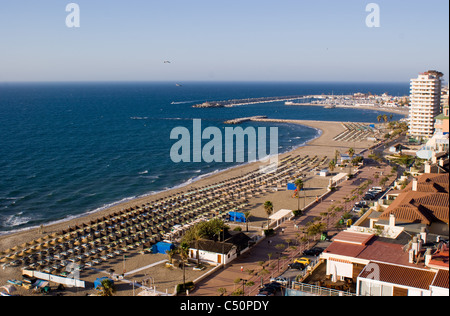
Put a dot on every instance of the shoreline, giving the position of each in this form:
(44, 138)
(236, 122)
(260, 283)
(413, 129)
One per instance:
(146, 196)
(321, 145)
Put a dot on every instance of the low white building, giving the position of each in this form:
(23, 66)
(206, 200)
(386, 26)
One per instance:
(218, 252)
(213, 252)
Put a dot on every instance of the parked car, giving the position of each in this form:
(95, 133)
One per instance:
(361, 204)
(280, 280)
(303, 260)
(297, 266)
(313, 251)
(369, 197)
(273, 285)
(267, 290)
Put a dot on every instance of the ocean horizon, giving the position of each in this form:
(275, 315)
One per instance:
(69, 149)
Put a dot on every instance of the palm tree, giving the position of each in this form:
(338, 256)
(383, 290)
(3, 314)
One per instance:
(247, 215)
(336, 154)
(183, 250)
(332, 165)
(299, 184)
(107, 288)
(379, 118)
(171, 253)
(351, 153)
(268, 206)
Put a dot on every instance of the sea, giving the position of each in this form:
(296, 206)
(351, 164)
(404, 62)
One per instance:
(68, 149)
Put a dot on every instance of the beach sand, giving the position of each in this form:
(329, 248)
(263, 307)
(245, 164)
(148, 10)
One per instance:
(282, 199)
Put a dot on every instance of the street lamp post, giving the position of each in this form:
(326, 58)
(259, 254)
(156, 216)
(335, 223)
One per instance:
(243, 287)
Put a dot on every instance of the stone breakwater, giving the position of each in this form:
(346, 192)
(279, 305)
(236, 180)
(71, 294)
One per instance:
(244, 119)
(238, 102)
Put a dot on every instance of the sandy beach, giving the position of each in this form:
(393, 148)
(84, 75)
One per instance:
(322, 147)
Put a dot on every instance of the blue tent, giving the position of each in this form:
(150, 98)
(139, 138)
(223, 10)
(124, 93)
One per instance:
(291, 187)
(162, 247)
(237, 217)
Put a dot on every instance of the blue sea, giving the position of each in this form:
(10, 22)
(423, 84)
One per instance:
(67, 149)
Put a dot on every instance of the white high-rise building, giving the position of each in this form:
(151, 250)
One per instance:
(425, 104)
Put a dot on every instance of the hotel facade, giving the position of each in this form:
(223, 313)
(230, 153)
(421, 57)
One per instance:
(425, 104)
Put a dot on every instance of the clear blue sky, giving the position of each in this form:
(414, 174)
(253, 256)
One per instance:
(222, 40)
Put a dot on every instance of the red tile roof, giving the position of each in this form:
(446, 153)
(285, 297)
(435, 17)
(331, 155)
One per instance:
(386, 252)
(353, 238)
(375, 250)
(441, 279)
(426, 205)
(344, 249)
(401, 275)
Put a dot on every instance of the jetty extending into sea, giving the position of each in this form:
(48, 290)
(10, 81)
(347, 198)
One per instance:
(238, 102)
(245, 119)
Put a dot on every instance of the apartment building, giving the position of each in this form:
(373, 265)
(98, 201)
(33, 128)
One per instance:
(425, 104)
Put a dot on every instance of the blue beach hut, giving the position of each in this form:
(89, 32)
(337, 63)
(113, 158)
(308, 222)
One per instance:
(98, 282)
(236, 217)
(162, 247)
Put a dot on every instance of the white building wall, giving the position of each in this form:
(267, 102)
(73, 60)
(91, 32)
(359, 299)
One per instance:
(439, 291)
(371, 287)
(213, 257)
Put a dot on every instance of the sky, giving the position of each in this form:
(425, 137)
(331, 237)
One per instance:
(223, 40)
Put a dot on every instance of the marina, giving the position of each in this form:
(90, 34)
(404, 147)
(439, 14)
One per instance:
(361, 100)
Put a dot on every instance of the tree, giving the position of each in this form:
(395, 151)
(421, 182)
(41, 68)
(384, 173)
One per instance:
(332, 165)
(268, 206)
(299, 184)
(316, 229)
(210, 230)
(336, 154)
(351, 153)
(183, 250)
(107, 288)
(247, 215)
(171, 253)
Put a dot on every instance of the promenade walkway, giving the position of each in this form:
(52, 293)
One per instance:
(249, 266)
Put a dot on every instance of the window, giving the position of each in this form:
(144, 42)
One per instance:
(370, 288)
(364, 289)
(386, 290)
